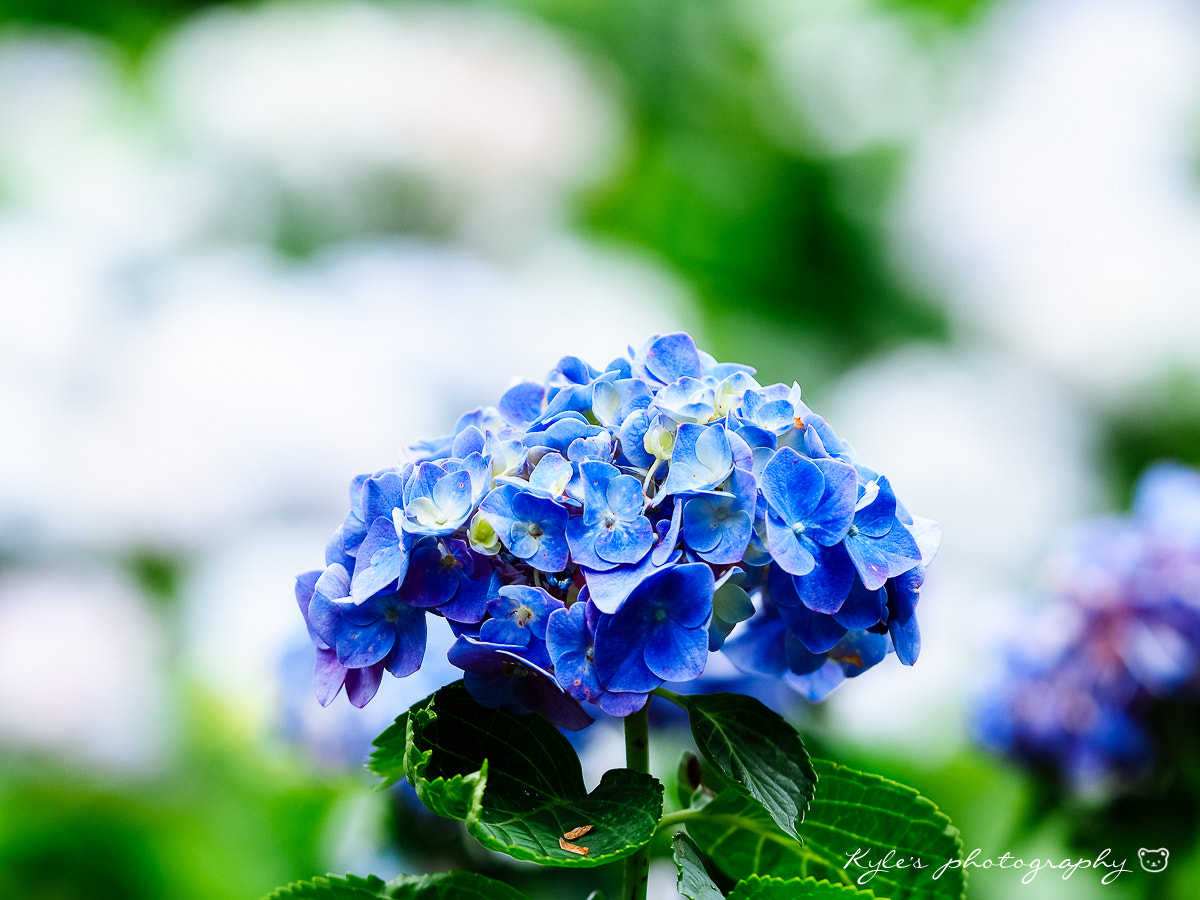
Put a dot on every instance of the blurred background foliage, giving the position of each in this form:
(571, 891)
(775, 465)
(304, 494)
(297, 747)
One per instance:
(746, 193)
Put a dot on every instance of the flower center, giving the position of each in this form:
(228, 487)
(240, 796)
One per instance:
(522, 615)
(534, 530)
(660, 614)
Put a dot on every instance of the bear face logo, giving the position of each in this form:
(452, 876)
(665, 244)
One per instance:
(1153, 860)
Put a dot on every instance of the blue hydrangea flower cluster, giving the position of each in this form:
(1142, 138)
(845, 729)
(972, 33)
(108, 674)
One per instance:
(1119, 640)
(596, 535)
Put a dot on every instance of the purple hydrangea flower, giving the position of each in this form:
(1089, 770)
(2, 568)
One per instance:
(1117, 647)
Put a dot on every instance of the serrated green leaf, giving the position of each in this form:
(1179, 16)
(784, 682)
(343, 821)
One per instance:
(452, 886)
(333, 887)
(755, 747)
(440, 886)
(694, 882)
(388, 759)
(518, 784)
(757, 887)
(850, 811)
(454, 796)
(859, 811)
(737, 834)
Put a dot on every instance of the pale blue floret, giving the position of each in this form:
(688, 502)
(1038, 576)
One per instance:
(557, 434)
(688, 400)
(878, 542)
(717, 525)
(810, 502)
(669, 357)
(612, 529)
(632, 435)
(523, 403)
(439, 501)
(731, 389)
(769, 409)
(531, 527)
(382, 559)
(518, 617)
(701, 459)
(507, 454)
(551, 476)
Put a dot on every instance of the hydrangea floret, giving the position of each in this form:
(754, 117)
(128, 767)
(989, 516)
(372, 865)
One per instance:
(597, 535)
(1084, 691)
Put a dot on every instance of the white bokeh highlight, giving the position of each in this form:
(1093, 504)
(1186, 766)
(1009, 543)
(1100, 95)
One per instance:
(1058, 210)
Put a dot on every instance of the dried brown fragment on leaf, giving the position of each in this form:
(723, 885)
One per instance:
(577, 832)
(573, 848)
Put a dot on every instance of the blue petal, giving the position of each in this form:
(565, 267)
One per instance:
(675, 653)
(609, 590)
(825, 588)
(620, 704)
(624, 497)
(362, 684)
(452, 494)
(328, 676)
(829, 522)
(306, 585)
(596, 477)
(632, 436)
(576, 370)
(862, 608)
(673, 356)
(792, 485)
(469, 440)
(701, 458)
(619, 660)
(429, 583)
(760, 648)
(581, 540)
(382, 559)
(816, 686)
(819, 633)
(359, 646)
(878, 559)
(689, 590)
(875, 517)
(522, 403)
(789, 550)
(567, 630)
(800, 661)
(381, 494)
(627, 542)
(906, 639)
(666, 546)
(411, 633)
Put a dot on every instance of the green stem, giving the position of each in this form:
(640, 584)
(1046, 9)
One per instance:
(637, 757)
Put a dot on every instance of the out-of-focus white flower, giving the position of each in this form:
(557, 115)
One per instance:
(249, 387)
(1002, 459)
(487, 106)
(849, 74)
(79, 151)
(1059, 210)
(82, 668)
